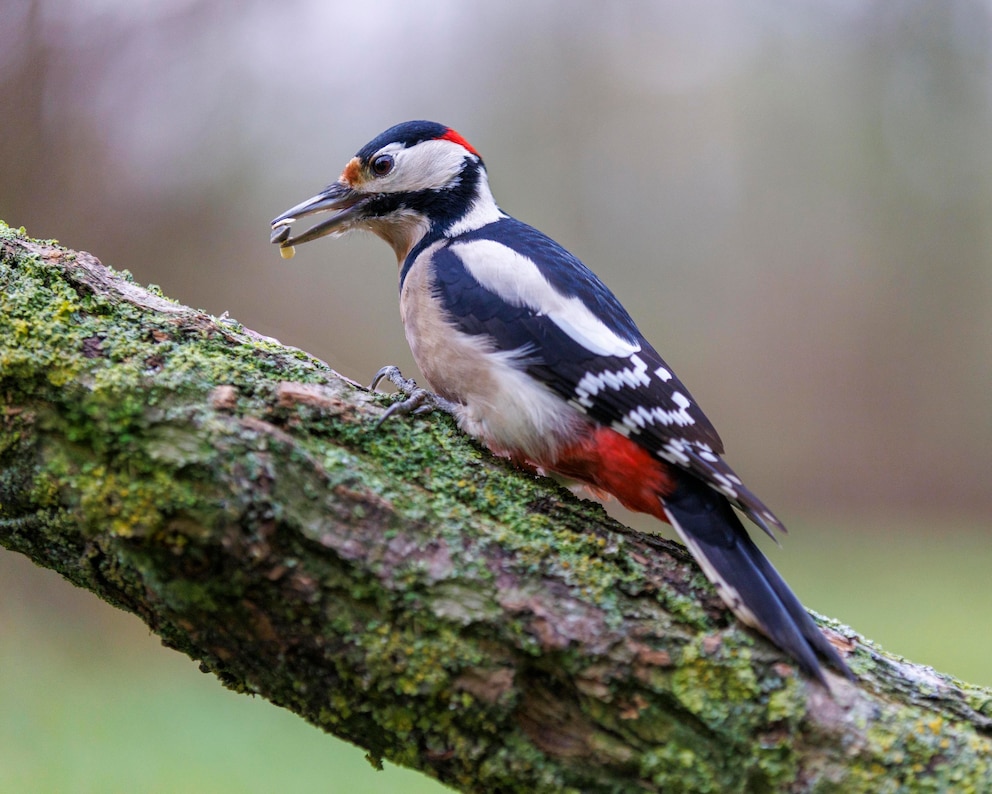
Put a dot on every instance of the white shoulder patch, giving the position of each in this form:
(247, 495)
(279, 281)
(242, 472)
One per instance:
(518, 280)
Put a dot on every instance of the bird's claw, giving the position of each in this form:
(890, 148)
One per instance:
(418, 400)
(392, 373)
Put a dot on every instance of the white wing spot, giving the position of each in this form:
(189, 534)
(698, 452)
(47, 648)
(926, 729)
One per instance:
(723, 483)
(593, 383)
(664, 374)
(640, 417)
(705, 452)
(621, 428)
(577, 405)
(674, 452)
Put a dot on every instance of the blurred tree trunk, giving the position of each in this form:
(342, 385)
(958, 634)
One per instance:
(400, 587)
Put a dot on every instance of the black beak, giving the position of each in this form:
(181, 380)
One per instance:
(337, 196)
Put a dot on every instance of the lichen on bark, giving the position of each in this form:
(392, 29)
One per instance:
(400, 587)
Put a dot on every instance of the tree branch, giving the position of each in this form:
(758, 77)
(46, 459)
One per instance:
(401, 588)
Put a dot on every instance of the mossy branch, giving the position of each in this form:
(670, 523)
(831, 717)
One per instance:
(401, 588)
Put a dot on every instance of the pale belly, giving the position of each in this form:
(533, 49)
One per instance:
(500, 404)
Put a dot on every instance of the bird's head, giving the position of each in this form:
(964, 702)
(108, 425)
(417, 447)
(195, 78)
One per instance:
(416, 178)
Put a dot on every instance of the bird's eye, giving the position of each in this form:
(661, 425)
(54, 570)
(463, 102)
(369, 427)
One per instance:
(382, 165)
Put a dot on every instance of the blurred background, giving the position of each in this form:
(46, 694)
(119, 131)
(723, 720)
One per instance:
(792, 199)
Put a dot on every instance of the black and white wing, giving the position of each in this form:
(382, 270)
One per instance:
(524, 291)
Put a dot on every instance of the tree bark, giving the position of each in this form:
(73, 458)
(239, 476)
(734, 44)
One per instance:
(402, 588)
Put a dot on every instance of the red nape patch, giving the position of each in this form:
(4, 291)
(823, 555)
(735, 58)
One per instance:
(623, 468)
(454, 137)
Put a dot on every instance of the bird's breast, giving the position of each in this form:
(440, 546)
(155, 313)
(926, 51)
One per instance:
(500, 403)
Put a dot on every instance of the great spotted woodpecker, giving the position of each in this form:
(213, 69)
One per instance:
(537, 358)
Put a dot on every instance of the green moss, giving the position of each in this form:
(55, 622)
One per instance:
(40, 318)
(712, 691)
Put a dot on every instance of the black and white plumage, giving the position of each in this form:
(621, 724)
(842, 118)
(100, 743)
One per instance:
(543, 363)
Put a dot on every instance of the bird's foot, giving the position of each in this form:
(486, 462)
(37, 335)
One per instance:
(418, 400)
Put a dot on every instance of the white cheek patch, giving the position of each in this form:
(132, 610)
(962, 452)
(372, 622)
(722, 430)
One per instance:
(518, 280)
(427, 166)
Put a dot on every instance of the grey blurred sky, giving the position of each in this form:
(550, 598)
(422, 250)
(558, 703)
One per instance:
(793, 199)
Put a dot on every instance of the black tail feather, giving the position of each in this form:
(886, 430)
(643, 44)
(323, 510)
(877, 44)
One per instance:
(744, 577)
(802, 618)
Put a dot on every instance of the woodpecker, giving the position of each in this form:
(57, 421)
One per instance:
(534, 356)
